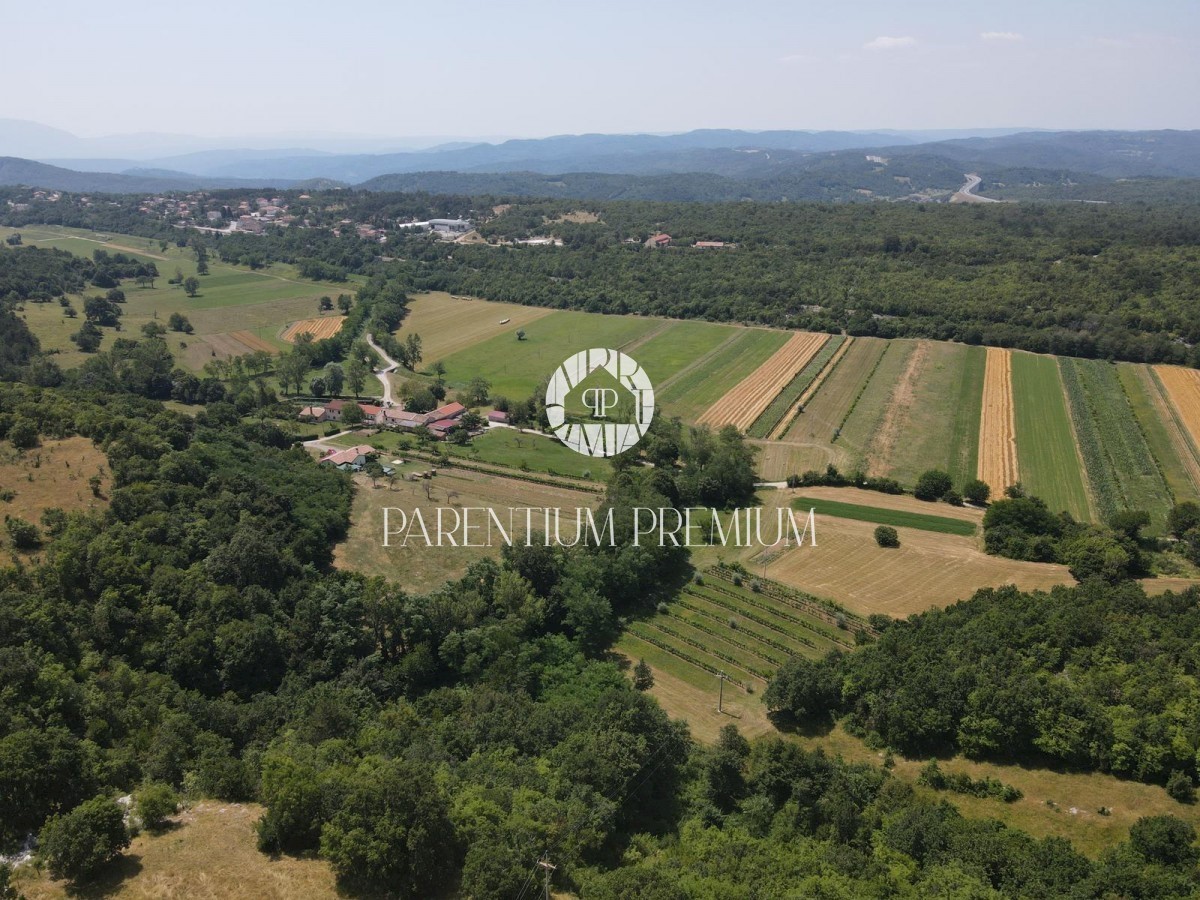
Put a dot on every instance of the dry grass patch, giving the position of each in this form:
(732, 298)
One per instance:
(747, 400)
(53, 475)
(417, 567)
(997, 464)
(210, 854)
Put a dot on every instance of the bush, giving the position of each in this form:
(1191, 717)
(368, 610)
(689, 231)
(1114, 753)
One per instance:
(932, 485)
(976, 491)
(887, 536)
(155, 803)
(1180, 787)
(24, 535)
(23, 433)
(80, 843)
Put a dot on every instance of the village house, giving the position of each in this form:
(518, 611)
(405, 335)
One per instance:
(353, 459)
(497, 417)
(657, 241)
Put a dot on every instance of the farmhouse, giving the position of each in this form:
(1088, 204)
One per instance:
(332, 411)
(399, 418)
(313, 414)
(449, 411)
(353, 459)
(497, 417)
(659, 240)
(442, 427)
(710, 245)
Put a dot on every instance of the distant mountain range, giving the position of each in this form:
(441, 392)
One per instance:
(706, 164)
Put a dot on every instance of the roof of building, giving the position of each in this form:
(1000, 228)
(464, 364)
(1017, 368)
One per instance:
(344, 457)
(449, 411)
(443, 425)
(315, 411)
(497, 415)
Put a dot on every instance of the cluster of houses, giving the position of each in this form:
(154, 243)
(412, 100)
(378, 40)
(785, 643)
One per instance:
(439, 422)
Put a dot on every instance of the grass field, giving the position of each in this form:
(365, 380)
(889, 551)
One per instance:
(880, 516)
(53, 475)
(677, 346)
(515, 368)
(420, 568)
(1046, 454)
(862, 427)
(1169, 442)
(449, 324)
(695, 388)
(1122, 473)
(535, 452)
(209, 853)
(941, 426)
(231, 298)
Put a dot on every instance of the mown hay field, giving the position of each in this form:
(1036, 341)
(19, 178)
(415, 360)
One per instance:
(1047, 458)
(747, 400)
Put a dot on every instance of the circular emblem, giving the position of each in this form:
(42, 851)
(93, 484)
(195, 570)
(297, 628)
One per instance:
(612, 411)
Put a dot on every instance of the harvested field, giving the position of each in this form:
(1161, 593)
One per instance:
(883, 444)
(450, 324)
(695, 387)
(236, 343)
(776, 417)
(997, 464)
(1168, 439)
(779, 459)
(319, 327)
(786, 423)
(1183, 388)
(925, 571)
(747, 400)
(827, 407)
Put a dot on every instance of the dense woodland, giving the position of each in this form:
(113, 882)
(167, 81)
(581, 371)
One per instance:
(193, 636)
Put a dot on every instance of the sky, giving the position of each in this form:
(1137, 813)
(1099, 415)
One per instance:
(530, 68)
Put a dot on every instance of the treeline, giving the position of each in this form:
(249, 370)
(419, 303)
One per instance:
(1099, 677)
(1097, 281)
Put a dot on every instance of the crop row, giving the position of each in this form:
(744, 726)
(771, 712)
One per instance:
(683, 655)
(751, 617)
(723, 635)
(1119, 465)
(837, 432)
(742, 600)
(782, 405)
(711, 651)
(825, 610)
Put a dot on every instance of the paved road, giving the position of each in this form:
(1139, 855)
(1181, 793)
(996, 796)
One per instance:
(382, 374)
(966, 192)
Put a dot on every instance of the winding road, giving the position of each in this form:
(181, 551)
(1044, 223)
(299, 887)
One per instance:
(382, 374)
(966, 193)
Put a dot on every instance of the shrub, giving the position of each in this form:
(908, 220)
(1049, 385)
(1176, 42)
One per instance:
(155, 803)
(887, 536)
(976, 491)
(932, 485)
(24, 535)
(80, 843)
(23, 433)
(1180, 787)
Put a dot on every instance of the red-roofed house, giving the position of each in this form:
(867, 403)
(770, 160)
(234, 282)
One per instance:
(449, 411)
(659, 240)
(441, 427)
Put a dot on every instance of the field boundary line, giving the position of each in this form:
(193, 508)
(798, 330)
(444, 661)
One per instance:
(742, 404)
(786, 423)
(633, 343)
(703, 359)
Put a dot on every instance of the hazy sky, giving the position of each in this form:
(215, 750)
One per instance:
(533, 68)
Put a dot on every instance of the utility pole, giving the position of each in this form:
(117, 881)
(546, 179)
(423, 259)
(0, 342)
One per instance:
(721, 676)
(546, 867)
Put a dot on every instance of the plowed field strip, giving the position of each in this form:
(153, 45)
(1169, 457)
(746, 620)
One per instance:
(746, 401)
(319, 327)
(997, 464)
